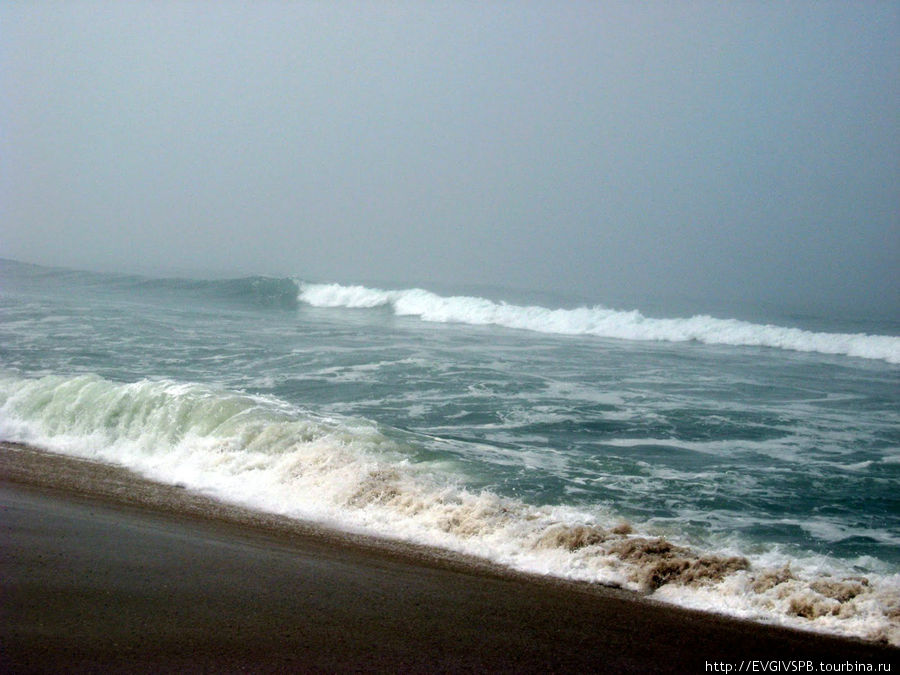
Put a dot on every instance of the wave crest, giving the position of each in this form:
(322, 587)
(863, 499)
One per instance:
(600, 321)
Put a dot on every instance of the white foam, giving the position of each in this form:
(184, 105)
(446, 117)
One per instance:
(788, 602)
(266, 454)
(600, 321)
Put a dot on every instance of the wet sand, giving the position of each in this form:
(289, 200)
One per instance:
(103, 571)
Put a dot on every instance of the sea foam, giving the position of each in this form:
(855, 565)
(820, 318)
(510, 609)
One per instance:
(350, 474)
(599, 321)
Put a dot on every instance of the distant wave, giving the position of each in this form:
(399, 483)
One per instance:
(600, 321)
(251, 290)
(255, 290)
(284, 292)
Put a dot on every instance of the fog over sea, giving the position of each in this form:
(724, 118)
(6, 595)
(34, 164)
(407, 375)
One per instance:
(748, 466)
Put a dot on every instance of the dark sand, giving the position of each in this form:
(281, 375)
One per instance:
(103, 571)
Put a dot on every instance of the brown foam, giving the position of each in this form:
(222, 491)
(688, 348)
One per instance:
(769, 579)
(841, 590)
(572, 538)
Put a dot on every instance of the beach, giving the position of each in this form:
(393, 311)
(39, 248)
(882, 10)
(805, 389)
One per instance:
(103, 570)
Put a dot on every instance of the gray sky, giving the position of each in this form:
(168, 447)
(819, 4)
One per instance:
(733, 150)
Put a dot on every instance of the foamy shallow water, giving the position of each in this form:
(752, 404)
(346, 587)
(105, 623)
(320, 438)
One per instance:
(258, 452)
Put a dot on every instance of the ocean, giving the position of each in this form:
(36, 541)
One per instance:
(747, 466)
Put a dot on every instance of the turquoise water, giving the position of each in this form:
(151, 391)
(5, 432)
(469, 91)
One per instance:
(484, 423)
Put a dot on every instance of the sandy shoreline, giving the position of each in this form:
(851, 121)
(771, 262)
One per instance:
(102, 570)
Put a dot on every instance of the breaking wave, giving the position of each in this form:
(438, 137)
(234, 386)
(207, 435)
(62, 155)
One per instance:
(600, 321)
(350, 474)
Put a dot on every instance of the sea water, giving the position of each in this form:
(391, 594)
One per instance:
(750, 467)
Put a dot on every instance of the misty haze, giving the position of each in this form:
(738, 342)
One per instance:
(727, 153)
